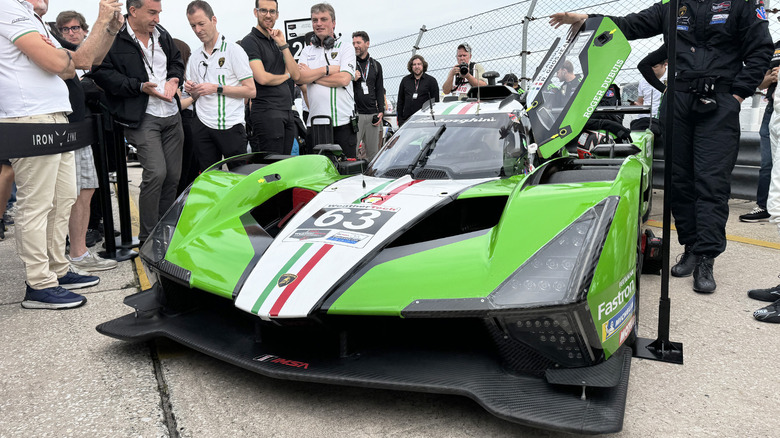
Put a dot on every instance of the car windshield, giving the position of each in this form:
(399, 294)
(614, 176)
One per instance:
(471, 146)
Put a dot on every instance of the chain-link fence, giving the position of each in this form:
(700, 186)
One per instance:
(499, 37)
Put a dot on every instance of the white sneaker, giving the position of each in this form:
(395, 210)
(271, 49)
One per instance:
(92, 262)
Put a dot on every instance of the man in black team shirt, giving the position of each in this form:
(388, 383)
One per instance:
(271, 116)
(369, 95)
(415, 89)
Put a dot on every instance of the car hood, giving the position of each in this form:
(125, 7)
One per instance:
(335, 234)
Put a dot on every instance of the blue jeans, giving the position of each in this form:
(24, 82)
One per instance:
(765, 172)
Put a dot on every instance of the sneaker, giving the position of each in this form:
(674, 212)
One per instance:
(93, 262)
(770, 313)
(758, 214)
(685, 264)
(703, 280)
(52, 298)
(772, 294)
(8, 219)
(76, 279)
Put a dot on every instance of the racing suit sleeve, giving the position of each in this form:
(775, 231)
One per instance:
(756, 48)
(645, 67)
(643, 24)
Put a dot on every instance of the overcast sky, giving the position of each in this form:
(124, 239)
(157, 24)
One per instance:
(235, 18)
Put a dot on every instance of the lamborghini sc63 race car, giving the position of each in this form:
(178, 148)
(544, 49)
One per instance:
(473, 256)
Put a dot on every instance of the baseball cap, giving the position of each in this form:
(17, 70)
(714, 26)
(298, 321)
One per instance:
(465, 46)
(510, 78)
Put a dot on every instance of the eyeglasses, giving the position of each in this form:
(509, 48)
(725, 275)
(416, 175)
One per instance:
(264, 11)
(70, 29)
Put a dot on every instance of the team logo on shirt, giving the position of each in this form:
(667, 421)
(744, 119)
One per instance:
(221, 61)
(761, 13)
(333, 55)
(721, 7)
(683, 11)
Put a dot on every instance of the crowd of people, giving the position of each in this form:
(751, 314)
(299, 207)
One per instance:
(183, 113)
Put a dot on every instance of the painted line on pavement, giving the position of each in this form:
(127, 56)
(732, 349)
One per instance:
(747, 240)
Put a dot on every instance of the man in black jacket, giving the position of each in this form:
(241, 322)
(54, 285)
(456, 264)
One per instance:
(369, 90)
(723, 50)
(415, 89)
(140, 75)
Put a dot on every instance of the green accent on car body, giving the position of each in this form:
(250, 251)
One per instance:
(604, 61)
(451, 108)
(376, 190)
(210, 240)
(498, 187)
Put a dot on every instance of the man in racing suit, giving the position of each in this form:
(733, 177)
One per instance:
(723, 50)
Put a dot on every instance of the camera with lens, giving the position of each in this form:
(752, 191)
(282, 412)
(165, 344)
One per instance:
(464, 69)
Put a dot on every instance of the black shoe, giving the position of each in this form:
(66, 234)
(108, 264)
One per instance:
(703, 281)
(685, 264)
(772, 294)
(770, 313)
(2, 229)
(758, 214)
(92, 238)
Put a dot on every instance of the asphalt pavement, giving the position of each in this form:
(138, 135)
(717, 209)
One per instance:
(60, 378)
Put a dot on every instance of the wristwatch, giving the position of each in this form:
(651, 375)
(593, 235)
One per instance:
(219, 89)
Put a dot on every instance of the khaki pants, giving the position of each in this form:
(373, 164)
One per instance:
(370, 135)
(46, 190)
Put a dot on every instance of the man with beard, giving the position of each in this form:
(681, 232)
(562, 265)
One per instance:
(369, 92)
(272, 63)
(219, 79)
(416, 89)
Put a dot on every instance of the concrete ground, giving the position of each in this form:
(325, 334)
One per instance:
(59, 377)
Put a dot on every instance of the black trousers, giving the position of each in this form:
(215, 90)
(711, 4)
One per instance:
(704, 155)
(272, 130)
(210, 145)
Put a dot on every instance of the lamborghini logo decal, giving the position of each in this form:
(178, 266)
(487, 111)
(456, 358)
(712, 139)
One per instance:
(221, 61)
(286, 279)
(333, 55)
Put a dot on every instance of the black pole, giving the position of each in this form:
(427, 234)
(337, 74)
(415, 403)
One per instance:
(126, 239)
(662, 348)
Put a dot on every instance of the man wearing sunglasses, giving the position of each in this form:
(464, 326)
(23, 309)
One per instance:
(219, 79)
(274, 69)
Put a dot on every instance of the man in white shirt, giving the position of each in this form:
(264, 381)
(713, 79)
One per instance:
(35, 93)
(219, 79)
(648, 95)
(465, 75)
(327, 68)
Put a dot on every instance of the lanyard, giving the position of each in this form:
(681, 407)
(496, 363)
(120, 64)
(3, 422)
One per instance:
(416, 84)
(45, 28)
(143, 54)
(368, 67)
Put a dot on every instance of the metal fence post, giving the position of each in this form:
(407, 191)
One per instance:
(525, 52)
(416, 46)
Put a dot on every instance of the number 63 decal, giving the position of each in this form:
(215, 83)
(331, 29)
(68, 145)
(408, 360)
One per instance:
(364, 220)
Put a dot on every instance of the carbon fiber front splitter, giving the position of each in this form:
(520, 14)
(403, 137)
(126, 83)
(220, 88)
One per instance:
(529, 400)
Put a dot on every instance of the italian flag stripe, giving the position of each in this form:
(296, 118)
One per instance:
(376, 190)
(277, 307)
(466, 108)
(449, 110)
(276, 277)
(398, 190)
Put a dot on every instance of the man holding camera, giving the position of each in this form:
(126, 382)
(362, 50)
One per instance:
(465, 75)
(327, 68)
(369, 91)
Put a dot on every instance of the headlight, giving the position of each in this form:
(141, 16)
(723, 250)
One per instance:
(153, 251)
(561, 271)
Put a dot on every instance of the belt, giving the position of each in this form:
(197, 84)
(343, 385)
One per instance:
(686, 86)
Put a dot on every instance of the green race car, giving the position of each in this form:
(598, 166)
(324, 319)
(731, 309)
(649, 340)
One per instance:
(474, 255)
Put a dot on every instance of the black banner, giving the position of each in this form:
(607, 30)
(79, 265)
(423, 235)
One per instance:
(19, 140)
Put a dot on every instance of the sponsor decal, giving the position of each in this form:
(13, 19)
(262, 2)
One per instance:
(308, 234)
(221, 61)
(312, 57)
(683, 10)
(610, 93)
(286, 279)
(719, 18)
(609, 328)
(269, 358)
(19, 20)
(333, 55)
(627, 287)
(721, 7)
(457, 121)
(682, 28)
(683, 21)
(761, 13)
(348, 238)
(351, 66)
(627, 329)
(603, 89)
(56, 138)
